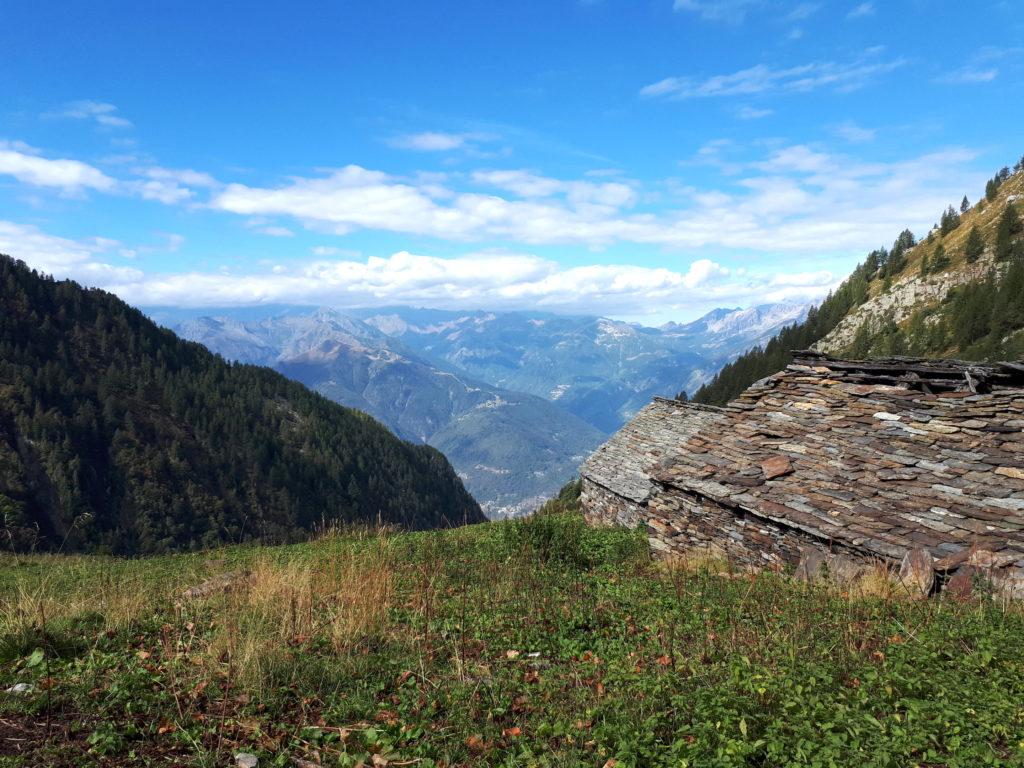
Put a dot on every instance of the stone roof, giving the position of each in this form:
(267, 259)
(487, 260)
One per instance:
(881, 456)
(625, 463)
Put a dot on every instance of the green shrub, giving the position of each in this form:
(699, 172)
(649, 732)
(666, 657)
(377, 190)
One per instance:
(551, 537)
(557, 537)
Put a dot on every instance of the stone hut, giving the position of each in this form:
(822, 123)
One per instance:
(832, 460)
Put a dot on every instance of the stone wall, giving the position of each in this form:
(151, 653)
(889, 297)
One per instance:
(601, 507)
(682, 523)
(685, 524)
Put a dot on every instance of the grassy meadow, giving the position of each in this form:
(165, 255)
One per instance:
(534, 643)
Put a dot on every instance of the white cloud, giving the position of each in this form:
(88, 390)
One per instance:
(968, 75)
(982, 66)
(72, 176)
(854, 133)
(792, 200)
(100, 112)
(762, 79)
(702, 272)
(803, 11)
(166, 192)
(168, 185)
(717, 153)
(183, 176)
(333, 250)
(64, 257)
(435, 141)
(266, 228)
(797, 198)
(753, 113)
(728, 11)
(527, 184)
(520, 183)
(861, 11)
(358, 198)
(276, 231)
(494, 280)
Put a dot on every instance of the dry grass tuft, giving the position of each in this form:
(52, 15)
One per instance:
(34, 607)
(698, 560)
(342, 600)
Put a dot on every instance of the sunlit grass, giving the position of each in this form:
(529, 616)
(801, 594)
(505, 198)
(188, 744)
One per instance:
(536, 643)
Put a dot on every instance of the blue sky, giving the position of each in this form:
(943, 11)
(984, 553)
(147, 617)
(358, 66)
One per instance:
(647, 160)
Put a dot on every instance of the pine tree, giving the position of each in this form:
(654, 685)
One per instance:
(1006, 233)
(949, 221)
(925, 266)
(975, 247)
(965, 205)
(940, 260)
(861, 345)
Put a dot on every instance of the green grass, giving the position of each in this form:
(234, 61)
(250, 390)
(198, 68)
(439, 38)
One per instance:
(538, 643)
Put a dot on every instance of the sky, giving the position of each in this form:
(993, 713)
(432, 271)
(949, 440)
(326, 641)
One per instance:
(647, 160)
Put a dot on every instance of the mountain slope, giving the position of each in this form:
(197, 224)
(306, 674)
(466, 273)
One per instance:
(945, 301)
(511, 449)
(957, 293)
(116, 435)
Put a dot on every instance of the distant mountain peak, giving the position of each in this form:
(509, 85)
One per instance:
(751, 324)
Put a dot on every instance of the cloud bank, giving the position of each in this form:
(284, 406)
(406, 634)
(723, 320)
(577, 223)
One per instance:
(795, 199)
(491, 280)
(786, 201)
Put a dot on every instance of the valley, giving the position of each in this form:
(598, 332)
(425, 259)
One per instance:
(516, 401)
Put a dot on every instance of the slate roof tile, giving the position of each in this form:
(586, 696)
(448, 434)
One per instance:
(876, 461)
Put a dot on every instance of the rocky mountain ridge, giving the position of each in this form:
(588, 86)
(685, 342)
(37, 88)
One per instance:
(907, 295)
(599, 369)
(921, 287)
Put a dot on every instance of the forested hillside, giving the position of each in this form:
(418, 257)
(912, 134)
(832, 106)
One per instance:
(115, 435)
(957, 293)
(512, 450)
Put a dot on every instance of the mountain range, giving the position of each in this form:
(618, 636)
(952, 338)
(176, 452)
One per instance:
(511, 449)
(599, 369)
(514, 400)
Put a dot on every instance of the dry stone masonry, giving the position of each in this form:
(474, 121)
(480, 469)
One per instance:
(833, 464)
